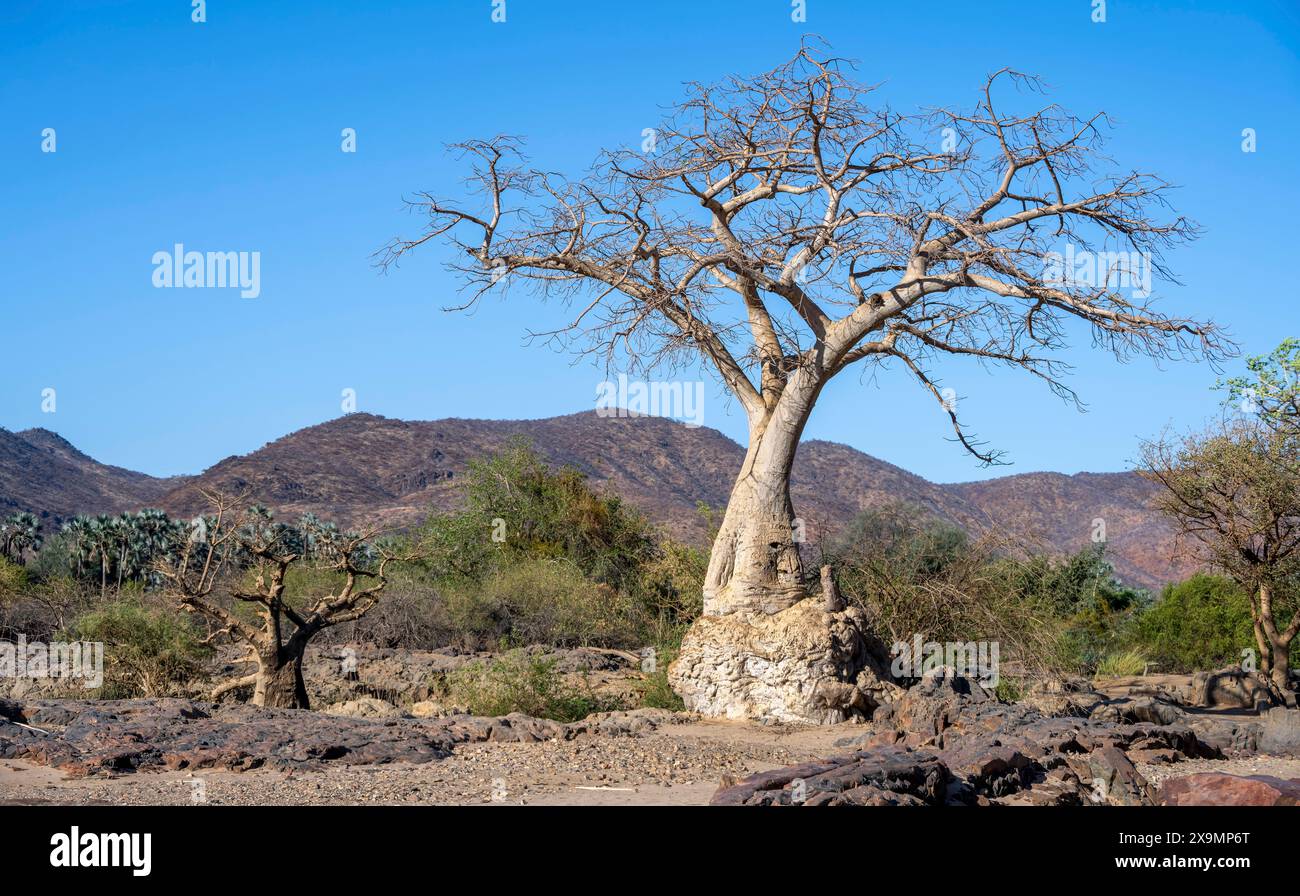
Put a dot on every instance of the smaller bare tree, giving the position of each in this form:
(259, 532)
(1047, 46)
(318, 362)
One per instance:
(241, 550)
(1234, 493)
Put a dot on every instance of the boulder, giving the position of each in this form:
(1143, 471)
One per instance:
(883, 777)
(1280, 731)
(1230, 688)
(1114, 778)
(1143, 709)
(1219, 789)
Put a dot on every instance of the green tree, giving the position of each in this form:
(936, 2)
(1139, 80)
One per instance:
(1272, 388)
(1233, 492)
(517, 507)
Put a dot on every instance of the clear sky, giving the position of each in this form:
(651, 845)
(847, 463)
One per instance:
(226, 136)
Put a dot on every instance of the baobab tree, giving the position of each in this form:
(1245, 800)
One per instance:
(785, 229)
(243, 550)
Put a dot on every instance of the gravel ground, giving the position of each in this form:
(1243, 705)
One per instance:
(675, 765)
(682, 766)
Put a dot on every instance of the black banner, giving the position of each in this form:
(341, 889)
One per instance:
(332, 846)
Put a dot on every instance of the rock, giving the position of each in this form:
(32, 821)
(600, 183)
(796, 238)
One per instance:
(89, 737)
(1219, 789)
(1144, 709)
(992, 753)
(364, 708)
(1229, 735)
(801, 664)
(1230, 688)
(1114, 778)
(883, 777)
(930, 706)
(1280, 731)
(1063, 696)
(989, 769)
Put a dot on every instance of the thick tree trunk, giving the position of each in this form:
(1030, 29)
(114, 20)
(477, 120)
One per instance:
(763, 650)
(1281, 671)
(279, 680)
(755, 567)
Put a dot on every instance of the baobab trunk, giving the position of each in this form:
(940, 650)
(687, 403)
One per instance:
(755, 567)
(763, 649)
(279, 681)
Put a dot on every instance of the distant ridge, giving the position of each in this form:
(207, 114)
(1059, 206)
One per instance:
(363, 466)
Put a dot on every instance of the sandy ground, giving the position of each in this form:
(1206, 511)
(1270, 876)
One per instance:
(678, 765)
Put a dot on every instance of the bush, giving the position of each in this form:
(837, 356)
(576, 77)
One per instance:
(539, 601)
(915, 574)
(670, 593)
(1201, 623)
(38, 609)
(147, 652)
(520, 682)
(410, 613)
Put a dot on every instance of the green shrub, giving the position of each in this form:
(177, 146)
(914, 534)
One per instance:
(918, 575)
(539, 601)
(147, 652)
(1201, 623)
(521, 682)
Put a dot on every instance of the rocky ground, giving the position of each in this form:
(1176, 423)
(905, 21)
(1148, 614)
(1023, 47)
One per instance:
(388, 738)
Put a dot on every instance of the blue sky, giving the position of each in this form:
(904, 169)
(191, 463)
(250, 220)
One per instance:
(225, 135)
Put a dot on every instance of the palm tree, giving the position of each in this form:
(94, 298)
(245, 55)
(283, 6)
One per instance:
(19, 533)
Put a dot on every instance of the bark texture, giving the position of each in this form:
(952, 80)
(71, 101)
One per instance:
(279, 682)
(800, 665)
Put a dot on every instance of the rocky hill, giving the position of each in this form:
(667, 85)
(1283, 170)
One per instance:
(364, 467)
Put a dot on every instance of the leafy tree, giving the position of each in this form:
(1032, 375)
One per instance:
(518, 507)
(1272, 389)
(1234, 494)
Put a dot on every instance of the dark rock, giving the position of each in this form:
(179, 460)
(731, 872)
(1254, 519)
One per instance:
(884, 776)
(1115, 780)
(125, 735)
(989, 752)
(1145, 709)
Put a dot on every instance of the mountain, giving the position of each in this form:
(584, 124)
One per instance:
(42, 472)
(363, 467)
